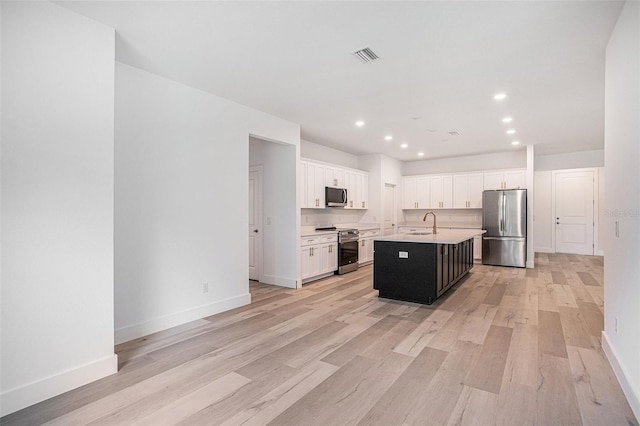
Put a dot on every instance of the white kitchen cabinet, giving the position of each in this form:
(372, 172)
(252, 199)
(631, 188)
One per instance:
(319, 256)
(357, 184)
(467, 191)
(335, 177)
(364, 194)
(315, 176)
(415, 192)
(477, 249)
(441, 192)
(314, 184)
(504, 179)
(515, 179)
(365, 246)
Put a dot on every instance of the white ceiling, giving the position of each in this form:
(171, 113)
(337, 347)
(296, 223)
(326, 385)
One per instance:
(441, 63)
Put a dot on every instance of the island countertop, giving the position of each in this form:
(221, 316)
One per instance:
(444, 236)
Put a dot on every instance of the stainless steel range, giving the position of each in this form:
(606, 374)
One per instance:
(347, 250)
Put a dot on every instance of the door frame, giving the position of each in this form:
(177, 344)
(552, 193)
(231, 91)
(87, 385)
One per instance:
(259, 169)
(394, 209)
(596, 203)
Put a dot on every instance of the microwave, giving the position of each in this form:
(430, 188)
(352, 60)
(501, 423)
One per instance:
(335, 197)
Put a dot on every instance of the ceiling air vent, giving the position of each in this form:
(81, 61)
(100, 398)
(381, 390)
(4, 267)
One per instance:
(454, 133)
(366, 55)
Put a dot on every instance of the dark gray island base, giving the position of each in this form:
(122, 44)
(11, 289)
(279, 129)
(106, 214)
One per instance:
(418, 272)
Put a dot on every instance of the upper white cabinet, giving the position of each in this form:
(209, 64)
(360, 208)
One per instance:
(467, 191)
(335, 177)
(416, 192)
(505, 179)
(441, 192)
(313, 185)
(357, 184)
(515, 179)
(316, 176)
(456, 191)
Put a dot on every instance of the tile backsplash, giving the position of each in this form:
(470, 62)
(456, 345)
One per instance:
(330, 217)
(448, 217)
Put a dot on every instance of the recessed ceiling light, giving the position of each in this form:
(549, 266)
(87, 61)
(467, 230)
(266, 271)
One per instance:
(515, 143)
(507, 120)
(510, 131)
(388, 138)
(499, 96)
(404, 145)
(359, 123)
(420, 154)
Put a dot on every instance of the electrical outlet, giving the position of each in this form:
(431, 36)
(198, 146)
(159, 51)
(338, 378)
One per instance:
(616, 325)
(617, 229)
(268, 221)
(205, 287)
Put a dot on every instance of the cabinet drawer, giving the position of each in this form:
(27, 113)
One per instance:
(318, 239)
(329, 238)
(369, 234)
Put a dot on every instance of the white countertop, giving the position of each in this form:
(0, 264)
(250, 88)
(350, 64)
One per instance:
(313, 233)
(444, 236)
(309, 231)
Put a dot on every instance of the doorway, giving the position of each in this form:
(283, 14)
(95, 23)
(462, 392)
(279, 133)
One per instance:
(255, 223)
(574, 211)
(389, 209)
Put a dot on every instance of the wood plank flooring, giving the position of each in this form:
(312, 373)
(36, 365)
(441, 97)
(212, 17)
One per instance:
(505, 346)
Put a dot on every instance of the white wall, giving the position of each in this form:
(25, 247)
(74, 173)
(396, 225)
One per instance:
(278, 183)
(181, 202)
(570, 160)
(503, 160)
(622, 202)
(543, 213)
(57, 202)
(313, 151)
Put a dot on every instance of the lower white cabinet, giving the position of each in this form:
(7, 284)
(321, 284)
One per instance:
(319, 256)
(365, 246)
(477, 249)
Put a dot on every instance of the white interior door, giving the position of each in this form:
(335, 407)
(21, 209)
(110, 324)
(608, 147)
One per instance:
(574, 204)
(389, 209)
(255, 224)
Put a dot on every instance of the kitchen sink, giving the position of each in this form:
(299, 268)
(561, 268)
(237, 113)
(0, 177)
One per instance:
(421, 233)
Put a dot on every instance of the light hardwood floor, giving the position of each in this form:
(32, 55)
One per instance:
(504, 346)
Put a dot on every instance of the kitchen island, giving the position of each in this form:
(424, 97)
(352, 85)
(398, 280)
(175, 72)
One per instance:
(421, 266)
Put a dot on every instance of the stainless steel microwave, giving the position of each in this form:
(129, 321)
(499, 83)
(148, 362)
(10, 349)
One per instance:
(335, 197)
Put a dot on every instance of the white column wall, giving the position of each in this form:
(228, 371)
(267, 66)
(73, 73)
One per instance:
(621, 339)
(57, 202)
(181, 202)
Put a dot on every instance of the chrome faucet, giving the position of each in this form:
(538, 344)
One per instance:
(424, 219)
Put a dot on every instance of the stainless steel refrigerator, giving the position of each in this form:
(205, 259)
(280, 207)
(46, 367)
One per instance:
(504, 217)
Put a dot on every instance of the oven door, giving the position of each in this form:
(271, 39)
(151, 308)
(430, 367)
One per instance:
(347, 256)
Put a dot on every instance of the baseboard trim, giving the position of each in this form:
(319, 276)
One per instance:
(32, 393)
(124, 334)
(630, 391)
(544, 250)
(279, 281)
